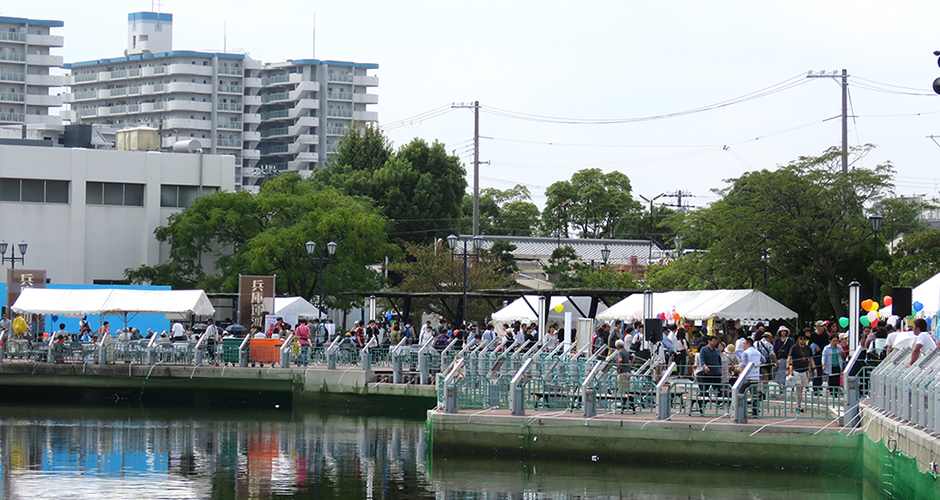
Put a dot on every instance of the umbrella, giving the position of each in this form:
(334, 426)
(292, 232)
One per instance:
(235, 328)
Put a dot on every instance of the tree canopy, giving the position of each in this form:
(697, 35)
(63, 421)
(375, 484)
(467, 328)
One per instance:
(507, 212)
(266, 234)
(590, 203)
(419, 187)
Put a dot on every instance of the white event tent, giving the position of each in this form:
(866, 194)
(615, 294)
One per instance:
(702, 304)
(112, 301)
(295, 305)
(928, 294)
(524, 309)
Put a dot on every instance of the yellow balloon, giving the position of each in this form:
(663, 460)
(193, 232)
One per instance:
(874, 306)
(559, 308)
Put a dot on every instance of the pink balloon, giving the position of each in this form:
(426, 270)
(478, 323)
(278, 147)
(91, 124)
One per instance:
(638, 314)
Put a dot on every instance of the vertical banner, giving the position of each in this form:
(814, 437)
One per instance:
(255, 299)
(18, 279)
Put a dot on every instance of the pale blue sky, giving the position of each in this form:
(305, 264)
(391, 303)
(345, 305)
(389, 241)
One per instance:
(595, 60)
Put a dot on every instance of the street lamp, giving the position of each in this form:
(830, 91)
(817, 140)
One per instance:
(876, 221)
(321, 260)
(605, 254)
(477, 245)
(12, 259)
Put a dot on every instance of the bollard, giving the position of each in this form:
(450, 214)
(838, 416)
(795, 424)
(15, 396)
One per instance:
(662, 404)
(330, 358)
(852, 417)
(366, 360)
(423, 369)
(102, 354)
(516, 406)
(198, 359)
(243, 358)
(739, 407)
(589, 403)
(396, 367)
(450, 398)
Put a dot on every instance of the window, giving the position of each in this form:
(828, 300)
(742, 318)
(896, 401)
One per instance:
(175, 196)
(34, 190)
(114, 193)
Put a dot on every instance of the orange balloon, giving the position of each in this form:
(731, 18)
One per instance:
(866, 304)
(676, 316)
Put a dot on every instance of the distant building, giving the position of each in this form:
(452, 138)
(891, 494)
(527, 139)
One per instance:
(25, 64)
(533, 253)
(273, 117)
(88, 214)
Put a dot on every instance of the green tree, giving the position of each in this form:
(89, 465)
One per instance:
(915, 260)
(591, 204)
(507, 213)
(431, 268)
(265, 234)
(419, 188)
(566, 271)
(803, 226)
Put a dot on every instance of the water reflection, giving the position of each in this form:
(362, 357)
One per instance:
(54, 453)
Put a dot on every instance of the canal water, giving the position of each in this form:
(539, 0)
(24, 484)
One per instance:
(104, 453)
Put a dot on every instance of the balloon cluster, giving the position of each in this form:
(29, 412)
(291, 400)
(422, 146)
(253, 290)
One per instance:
(876, 312)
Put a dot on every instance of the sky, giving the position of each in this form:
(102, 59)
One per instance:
(602, 84)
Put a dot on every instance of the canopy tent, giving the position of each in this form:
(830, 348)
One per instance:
(928, 294)
(702, 304)
(295, 305)
(112, 301)
(524, 309)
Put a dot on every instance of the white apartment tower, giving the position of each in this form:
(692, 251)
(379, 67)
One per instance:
(25, 62)
(272, 117)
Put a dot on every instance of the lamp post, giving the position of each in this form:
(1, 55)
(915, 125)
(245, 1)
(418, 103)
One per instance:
(12, 259)
(477, 245)
(605, 254)
(649, 261)
(321, 260)
(876, 221)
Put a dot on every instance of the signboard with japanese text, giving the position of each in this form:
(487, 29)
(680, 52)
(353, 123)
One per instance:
(18, 279)
(255, 299)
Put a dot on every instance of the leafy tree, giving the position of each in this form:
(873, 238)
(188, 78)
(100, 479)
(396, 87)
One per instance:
(503, 258)
(419, 188)
(591, 203)
(566, 271)
(803, 226)
(915, 260)
(431, 268)
(509, 213)
(265, 234)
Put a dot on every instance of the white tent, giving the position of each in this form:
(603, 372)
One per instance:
(928, 294)
(702, 304)
(524, 309)
(295, 305)
(112, 301)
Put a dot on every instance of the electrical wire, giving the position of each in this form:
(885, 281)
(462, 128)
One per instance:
(767, 91)
(419, 118)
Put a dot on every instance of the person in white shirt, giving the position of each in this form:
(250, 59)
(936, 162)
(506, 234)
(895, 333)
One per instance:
(924, 342)
(489, 336)
(898, 339)
(751, 355)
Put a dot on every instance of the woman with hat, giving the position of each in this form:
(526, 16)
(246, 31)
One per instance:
(783, 342)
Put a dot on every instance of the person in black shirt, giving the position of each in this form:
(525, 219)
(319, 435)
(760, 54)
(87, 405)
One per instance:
(800, 362)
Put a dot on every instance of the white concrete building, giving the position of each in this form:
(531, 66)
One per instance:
(25, 63)
(271, 117)
(89, 214)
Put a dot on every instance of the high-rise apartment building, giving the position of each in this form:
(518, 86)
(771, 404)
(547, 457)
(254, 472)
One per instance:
(272, 117)
(25, 79)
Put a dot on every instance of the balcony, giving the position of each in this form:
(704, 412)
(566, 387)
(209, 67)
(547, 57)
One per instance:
(118, 92)
(187, 124)
(118, 74)
(85, 77)
(188, 69)
(229, 143)
(189, 106)
(229, 124)
(339, 113)
(279, 149)
(43, 119)
(11, 117)
(12, 97)
(275, 79)
(12, 36)
(46, 40)
(274, 115)
(275, 132)
(43, 100)
(251, 154)
(339, 77)
(365, 116)
(229, 106)
(188, 87)
(134, 90)
(252, 82)
(251, 118)
(278, 97)
(336, 131)
(366, 80)
(228, 70)
(12, 76)
(339, 96)
(231, 89)
(12, 56)
(252, 100)
(46, 80)
(365, 98)
(251, 136)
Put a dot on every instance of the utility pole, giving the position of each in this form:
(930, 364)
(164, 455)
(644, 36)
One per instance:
(678, 195)
(649, 261)
(476, 162)
(845, 112)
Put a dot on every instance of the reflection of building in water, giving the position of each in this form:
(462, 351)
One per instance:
(361, 457)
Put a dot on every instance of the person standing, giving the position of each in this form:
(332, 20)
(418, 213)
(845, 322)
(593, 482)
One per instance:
(682, 352)
(750, 354)
(800, 362)
(711, 364)
(302, 332)
(833, 363)
(923, 340)
(624, 366)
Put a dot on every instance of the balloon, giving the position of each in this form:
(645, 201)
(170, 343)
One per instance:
(872, 316)
(55, 317)
(676, 316)
(918, 306)
(866, 304)
(864, 321)
(929, 321)
(874, 323)
(912, 316)
(886, 311)
(888, 300)
(874, 306)
(843, 322)
(559, 308)
(662, 315)
(638, 314)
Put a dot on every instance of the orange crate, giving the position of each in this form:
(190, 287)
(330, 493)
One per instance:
(264, 351)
